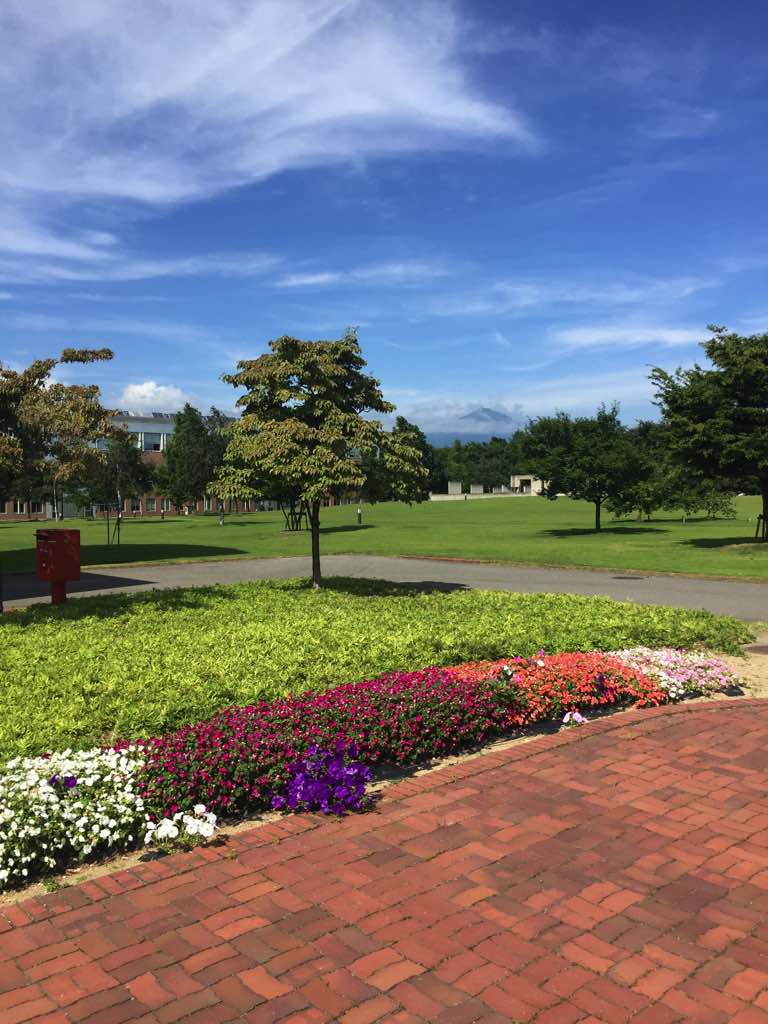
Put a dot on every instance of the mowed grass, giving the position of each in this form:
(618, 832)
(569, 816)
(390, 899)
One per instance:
(133, 665)
(526, 530)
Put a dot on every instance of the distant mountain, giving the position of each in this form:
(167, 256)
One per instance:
(491, 417)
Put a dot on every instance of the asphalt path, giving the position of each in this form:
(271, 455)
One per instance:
(732, 597)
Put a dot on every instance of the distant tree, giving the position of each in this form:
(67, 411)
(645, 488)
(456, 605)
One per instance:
(48, 429)
(187, 457)
(718, 417)
(589, 458)
(119, 473)
(304, 429)
(380, 484)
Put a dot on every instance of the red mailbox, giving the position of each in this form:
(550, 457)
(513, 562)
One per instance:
(57, 559)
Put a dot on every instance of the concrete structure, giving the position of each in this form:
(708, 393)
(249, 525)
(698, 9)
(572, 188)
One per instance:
(454, 487)
(476, 489)
(525, 483)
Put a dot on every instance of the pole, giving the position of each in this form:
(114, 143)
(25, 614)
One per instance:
(58, 592)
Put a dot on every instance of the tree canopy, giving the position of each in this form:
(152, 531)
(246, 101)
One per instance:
(717, 416)
(305, 430)
(48, 428)
(591, 458)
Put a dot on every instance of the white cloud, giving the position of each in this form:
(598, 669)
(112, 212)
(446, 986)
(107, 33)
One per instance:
(579, 394)
(149, 396)
(378, 273)
(623, 336)
(166, 101)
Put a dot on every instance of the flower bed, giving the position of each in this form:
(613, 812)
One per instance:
(238, 759)
(312, 751)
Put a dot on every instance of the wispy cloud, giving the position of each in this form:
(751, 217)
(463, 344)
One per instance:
(680, 121)
(160, 330)
(159, 103)
(119, 266)
(377, 274)
(624, 336)
(519, 296)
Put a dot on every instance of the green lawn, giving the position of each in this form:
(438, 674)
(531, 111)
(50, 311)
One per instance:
(524, 530)
(131, 665)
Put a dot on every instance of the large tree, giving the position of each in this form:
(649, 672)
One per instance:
(304, 429)
(591, 458)
(717, 416)
(48, 429)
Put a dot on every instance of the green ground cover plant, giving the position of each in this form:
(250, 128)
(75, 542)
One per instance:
(139, 665)
(527, 530)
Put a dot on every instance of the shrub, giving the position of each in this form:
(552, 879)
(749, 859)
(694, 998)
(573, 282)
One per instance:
(144, 664)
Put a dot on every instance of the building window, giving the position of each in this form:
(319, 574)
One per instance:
(19, 507)
(136, 438)
(36, 507)
(166, 504)
(233, 505)
(151, 505)
(152, 442)
(135, 505)
(207, 503)
(164, 439)
(102, 444)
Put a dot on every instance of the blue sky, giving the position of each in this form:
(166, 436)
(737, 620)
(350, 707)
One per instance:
(519, 205)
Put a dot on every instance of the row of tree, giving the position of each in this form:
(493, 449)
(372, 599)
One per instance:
(305, 434)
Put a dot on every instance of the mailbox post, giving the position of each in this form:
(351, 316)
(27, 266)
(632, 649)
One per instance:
(57, 560)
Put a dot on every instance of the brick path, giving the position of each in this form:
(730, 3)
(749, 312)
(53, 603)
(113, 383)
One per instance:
(617, 872)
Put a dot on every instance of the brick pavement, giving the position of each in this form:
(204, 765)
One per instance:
(616, 872)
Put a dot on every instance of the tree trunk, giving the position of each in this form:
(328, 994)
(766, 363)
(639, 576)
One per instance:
(764, 489)
(314, 523)
(597, 514)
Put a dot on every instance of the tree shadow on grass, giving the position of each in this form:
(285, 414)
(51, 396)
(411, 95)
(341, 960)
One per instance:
(607, 531)
(726, 542)
(106, 606)
(178, 598)
(100, 554)
(349, 528)
(386, 588)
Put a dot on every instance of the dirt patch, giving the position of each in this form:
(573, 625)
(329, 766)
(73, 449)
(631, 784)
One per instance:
(753, 668)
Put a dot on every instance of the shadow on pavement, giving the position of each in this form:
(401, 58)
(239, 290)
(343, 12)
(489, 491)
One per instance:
(23, 559)
(24, 585)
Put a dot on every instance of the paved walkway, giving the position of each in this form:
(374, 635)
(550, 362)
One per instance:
(616, 872)
(728, 597)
